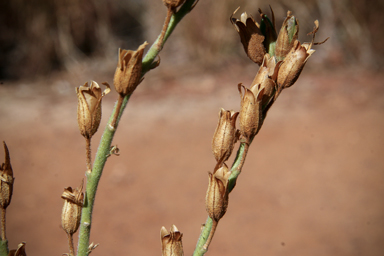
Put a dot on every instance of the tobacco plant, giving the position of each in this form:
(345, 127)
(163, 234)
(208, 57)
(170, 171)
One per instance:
(281, 58)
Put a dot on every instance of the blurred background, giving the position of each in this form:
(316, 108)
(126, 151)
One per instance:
(40, 37)
(313, 179)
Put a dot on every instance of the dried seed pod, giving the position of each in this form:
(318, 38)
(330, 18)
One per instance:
(171, 244)
(294, 62)
(20, 251)
(266, 78)
(225, 135)
(251, 117)
(287, 36)
(250, 36)
(89, 107)
(6, 180)
(128, 72)
(71, 214)
(216, 199)
(173, 3)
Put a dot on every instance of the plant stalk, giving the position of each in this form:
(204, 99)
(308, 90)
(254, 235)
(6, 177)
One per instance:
(70, 245)
(88, 154)
(106, 140)
(4, 242)
(3, 236)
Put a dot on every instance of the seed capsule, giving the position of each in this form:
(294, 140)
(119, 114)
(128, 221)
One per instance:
(20, 251)
(89, 107)
(216, 199)
(171, 244)
(266, 78)
(6, 180)
(251, 117)
(128, 72)
(71, 214)
(225, 135)
(250, 36)
(295, 61)
(287, 36)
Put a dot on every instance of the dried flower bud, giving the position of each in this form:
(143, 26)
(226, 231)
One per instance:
(173, 3)
(251, 117)
(171, 244)
(250, 36)
(225, 135)
(128, 72)
(89, 107)
(20, 251)
(287, 36)
(294, 62)
(6, 180)
(266, 78)
(216, 199)
(71, 214)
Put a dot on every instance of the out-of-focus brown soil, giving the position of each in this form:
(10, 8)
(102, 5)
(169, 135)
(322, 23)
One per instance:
(312, 184)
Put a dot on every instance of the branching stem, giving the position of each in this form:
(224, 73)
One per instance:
(106, 140)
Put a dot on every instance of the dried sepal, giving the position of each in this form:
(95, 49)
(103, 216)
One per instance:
(251, 116)
(6, 180)
(20, 251)
(267, 28)
(287, 36)
(295, 61)
(71, 213)
(216, 199)
(224, 137)
(173, 3)
(171, 244)
(250, 36)
(128, 72)
(89, 98)
(92, 247)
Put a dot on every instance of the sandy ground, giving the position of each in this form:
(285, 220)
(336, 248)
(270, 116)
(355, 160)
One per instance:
(312, 184)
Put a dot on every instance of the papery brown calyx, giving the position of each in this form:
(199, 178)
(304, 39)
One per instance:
(250, 36)
(216, 199)
(89, 98)
(128, 72)
(224, 137)
(266, 78)
(71, 213)
(20, 251)
(295, 61)
(6, 180)
(251, 116)
(287, 37)
(171, 244)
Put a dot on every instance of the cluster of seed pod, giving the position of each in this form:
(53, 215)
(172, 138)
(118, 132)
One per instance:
(281, 58)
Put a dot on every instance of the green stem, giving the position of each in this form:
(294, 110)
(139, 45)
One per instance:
(4, 248)
(106, 140)
(175, 19)
(3, 241)
(205, 231)
(93, 180)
